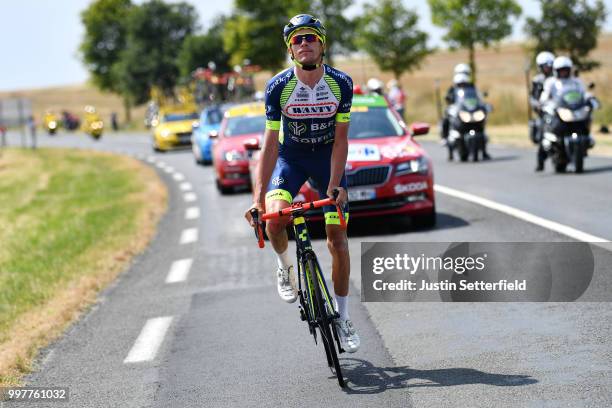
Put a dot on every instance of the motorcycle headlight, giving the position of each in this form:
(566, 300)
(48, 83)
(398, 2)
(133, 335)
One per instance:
(234, 155)
(465, 116)
(479, 115)
(565, 114)
(418, 165)
(52, 124)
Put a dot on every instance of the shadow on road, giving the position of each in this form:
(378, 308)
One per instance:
(365, 378)
(601, 169)
(375, 226)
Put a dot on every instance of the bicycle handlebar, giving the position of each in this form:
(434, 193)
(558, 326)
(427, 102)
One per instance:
(295, 208)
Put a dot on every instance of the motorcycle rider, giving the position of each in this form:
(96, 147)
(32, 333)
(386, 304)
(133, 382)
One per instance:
(563, 79)
(461, 79)
(544, 61)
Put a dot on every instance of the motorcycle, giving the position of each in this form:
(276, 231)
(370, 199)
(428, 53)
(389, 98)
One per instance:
(51, 123)
(93, 124)
(567, 121)
(467, 118)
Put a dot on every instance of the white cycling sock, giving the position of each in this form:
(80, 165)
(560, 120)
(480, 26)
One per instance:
(342, 302)
(283, 259)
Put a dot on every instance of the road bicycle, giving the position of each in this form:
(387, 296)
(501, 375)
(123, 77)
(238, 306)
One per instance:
(316, 306)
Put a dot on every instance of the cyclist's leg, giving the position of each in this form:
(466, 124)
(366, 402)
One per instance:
(285, 182)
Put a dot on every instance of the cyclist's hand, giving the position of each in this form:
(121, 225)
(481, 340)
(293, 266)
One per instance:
(248, 216)
(342, 196)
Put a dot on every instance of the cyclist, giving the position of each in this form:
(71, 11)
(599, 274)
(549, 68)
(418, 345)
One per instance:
(306, 138)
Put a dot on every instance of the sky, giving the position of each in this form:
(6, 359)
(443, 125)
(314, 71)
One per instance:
(39, 39)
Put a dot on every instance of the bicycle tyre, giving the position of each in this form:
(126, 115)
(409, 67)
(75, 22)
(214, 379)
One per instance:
(325, 325)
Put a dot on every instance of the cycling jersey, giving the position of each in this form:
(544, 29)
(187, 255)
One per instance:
(306, 117)
(306, 120)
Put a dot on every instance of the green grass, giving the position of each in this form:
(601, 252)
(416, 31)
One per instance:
(59, 209)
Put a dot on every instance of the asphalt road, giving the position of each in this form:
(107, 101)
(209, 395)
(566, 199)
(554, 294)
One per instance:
(225, 339)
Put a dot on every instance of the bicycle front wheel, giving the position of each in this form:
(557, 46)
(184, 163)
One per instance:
(325, 321)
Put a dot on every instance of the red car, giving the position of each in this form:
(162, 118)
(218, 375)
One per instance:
(230, 158)
(388, 172)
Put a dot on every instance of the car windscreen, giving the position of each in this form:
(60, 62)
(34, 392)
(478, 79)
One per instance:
(213, 117)
(367, 122)
(174, 117)
(244, 125)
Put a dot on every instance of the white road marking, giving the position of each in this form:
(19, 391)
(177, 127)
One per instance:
(186, 186)
(189, 235)
(523, 215)
(150, 339)
(169, 169)
(190, 197)
(151, 159)
(192, 213)
(179, 270)
(161, 165)
(178, 177)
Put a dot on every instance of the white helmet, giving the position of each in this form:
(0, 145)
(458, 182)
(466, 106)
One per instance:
(462, 69)
(461, 78)
(561, 63)
(375, 84)
(545, 58)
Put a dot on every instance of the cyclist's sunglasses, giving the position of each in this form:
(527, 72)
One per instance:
(310, 38)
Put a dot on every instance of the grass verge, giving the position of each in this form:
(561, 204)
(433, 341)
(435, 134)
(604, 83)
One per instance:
(70, 221)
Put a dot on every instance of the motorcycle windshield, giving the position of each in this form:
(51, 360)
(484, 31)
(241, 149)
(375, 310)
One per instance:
(570, 97)
(468, 99)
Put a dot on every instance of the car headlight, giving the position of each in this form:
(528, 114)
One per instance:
(165, 133)
(418, 165)
(234, 155)
(565, 114)
(479, 116)
(465, 116)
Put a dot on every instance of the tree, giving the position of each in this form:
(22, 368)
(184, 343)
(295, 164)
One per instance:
(198, 50)
(155, 35)
(472, 22)
(255, 32)
(340, 30)
(388, 33)
(568, 26)
(104, 41)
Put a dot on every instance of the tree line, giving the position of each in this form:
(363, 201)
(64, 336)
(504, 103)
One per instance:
(129, 48)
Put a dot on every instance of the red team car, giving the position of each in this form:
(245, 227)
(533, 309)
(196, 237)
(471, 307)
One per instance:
(388, 173)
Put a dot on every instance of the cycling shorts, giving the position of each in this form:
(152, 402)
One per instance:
(293, 168)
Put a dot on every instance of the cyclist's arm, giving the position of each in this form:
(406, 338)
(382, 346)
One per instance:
(265, 167)
(339, 154)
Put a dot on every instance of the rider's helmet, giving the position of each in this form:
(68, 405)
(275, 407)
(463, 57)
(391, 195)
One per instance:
(461, 78)
(562, 67)
(375, 85)
(462, 69)
(545, 59)
(304, 21)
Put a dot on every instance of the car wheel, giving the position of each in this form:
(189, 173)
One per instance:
(224, 190)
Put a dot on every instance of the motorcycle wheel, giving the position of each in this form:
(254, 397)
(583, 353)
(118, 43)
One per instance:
(579, 159)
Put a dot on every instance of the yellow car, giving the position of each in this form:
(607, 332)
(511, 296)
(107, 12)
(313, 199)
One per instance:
(174, 130)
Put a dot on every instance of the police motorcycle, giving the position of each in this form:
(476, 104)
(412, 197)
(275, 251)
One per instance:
(467, 118)
(567, 119)
(567, 111)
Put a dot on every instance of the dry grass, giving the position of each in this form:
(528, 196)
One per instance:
(101, 263)
(500, 72)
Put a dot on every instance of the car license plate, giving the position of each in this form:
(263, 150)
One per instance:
(361, 194)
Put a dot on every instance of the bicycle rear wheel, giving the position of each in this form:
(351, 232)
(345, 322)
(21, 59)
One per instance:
(324, 322)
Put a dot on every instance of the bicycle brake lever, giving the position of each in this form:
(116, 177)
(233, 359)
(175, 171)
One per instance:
(257, 227)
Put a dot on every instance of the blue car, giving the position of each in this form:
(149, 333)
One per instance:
(210, 121)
